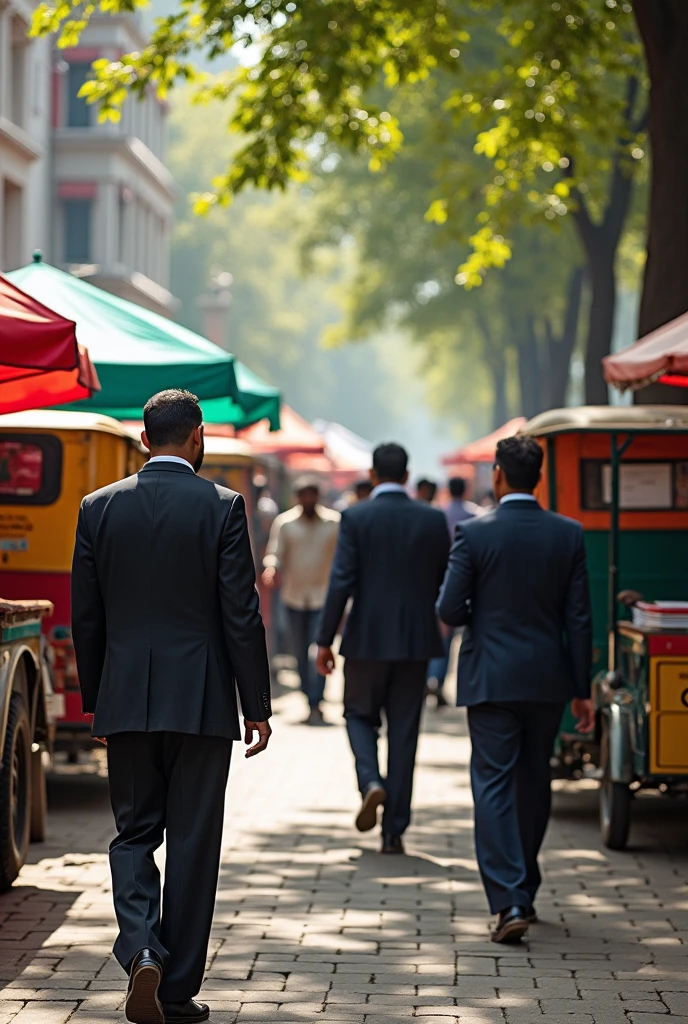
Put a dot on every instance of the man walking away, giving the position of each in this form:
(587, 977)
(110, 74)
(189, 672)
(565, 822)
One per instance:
(300, 551)
(391, 558)
(517, 580)
(166, 621)
(426, 491)
(459, 509)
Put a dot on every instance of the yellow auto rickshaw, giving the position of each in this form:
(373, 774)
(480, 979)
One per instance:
(49, 460)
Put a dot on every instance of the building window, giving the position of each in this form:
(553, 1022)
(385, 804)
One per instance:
(77, 230)
(78, 111)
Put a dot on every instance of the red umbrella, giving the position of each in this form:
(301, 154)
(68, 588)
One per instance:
(660, 356)
(41, 362)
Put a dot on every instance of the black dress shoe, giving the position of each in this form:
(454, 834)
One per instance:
(511, 925)
(142, 1005)
(531, 915)
(373, 798)
(185, 1013)
(391, 844)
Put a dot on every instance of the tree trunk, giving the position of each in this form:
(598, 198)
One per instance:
(663, 26)
(500, 408)
(561, 349)
(529, 369)
(600, 322)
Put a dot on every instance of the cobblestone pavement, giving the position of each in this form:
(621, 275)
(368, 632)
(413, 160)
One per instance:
(313, 924)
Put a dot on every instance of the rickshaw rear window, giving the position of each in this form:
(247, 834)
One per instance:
(645, 486)
(30, 469)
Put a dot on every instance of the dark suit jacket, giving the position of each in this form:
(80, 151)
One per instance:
(165, 614)
(518, 580)
(391, 557)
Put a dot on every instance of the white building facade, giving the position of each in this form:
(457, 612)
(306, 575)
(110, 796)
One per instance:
(96, 198)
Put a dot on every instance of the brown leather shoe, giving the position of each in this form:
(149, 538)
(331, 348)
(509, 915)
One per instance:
(373, 798)
(142, 1005)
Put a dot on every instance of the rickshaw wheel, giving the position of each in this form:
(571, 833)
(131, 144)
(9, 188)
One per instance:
(39, 798)
(615, 801)
(15, 793)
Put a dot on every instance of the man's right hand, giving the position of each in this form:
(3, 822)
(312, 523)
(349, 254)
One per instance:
(264, 733)
(325, 661)
(269, 577)
(584, 713)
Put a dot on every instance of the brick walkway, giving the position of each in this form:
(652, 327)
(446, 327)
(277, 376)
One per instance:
(312, 924)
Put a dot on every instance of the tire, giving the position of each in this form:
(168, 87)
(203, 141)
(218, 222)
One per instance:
(15, 793)
(615, 801)
(39, 798)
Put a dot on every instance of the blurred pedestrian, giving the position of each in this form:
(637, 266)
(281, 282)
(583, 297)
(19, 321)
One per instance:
(165, 619)
(426, 491)
(517, 580)
(457, 511)
(459, 508)
(299, 556)
(391, 557)
(363, 489)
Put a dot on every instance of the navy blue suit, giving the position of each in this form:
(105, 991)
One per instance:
(517, 579)
(391, 558)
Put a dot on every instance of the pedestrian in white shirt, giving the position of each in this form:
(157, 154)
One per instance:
(299, 556)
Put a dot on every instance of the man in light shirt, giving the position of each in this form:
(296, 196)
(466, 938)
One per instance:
(299, 553)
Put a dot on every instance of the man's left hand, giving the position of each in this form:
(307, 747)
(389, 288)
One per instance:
(584, 713)
(325, 662)
(264, 733)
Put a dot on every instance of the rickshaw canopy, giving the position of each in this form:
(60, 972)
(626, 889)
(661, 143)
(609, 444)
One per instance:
(41, 361)
(634, 419)
(660, 356)
(138, 352)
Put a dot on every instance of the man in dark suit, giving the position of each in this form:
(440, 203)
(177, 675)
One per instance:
(166, 627)
(517, 580)
(391, 557)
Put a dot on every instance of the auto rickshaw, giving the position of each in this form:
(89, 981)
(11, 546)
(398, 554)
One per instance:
(27, 717)
(623, 473)
(49, 460)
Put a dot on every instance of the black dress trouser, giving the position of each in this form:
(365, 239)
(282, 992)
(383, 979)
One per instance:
(512, 743)
(167, 785)
(398, 689)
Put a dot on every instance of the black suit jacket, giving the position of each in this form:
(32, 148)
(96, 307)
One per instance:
(391, 557)
(165, 613)
(518, 580)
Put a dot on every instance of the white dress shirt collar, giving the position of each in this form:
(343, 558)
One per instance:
(171, 458)
(517, 497)
(388, 488)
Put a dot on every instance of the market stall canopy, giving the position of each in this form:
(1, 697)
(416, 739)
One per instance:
(483, 450)
(295, 435)
(137, 352)
(660, 356)
(41, 362)
(347, 450)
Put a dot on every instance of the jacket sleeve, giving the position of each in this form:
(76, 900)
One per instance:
(89, 632)
(243, 624)
(453, 604)
(578, 622)
(343, 580)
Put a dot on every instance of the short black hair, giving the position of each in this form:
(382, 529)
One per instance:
(426, 484)
(364, 486)
(521, 460)
(390, 462)
(170, 416)
(457, 487)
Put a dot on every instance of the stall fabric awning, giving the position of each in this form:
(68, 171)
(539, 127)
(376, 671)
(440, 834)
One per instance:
(660, 356)
(348, 451)
(137, 352)
(294, 435)
(41, 362)
(483, 450)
